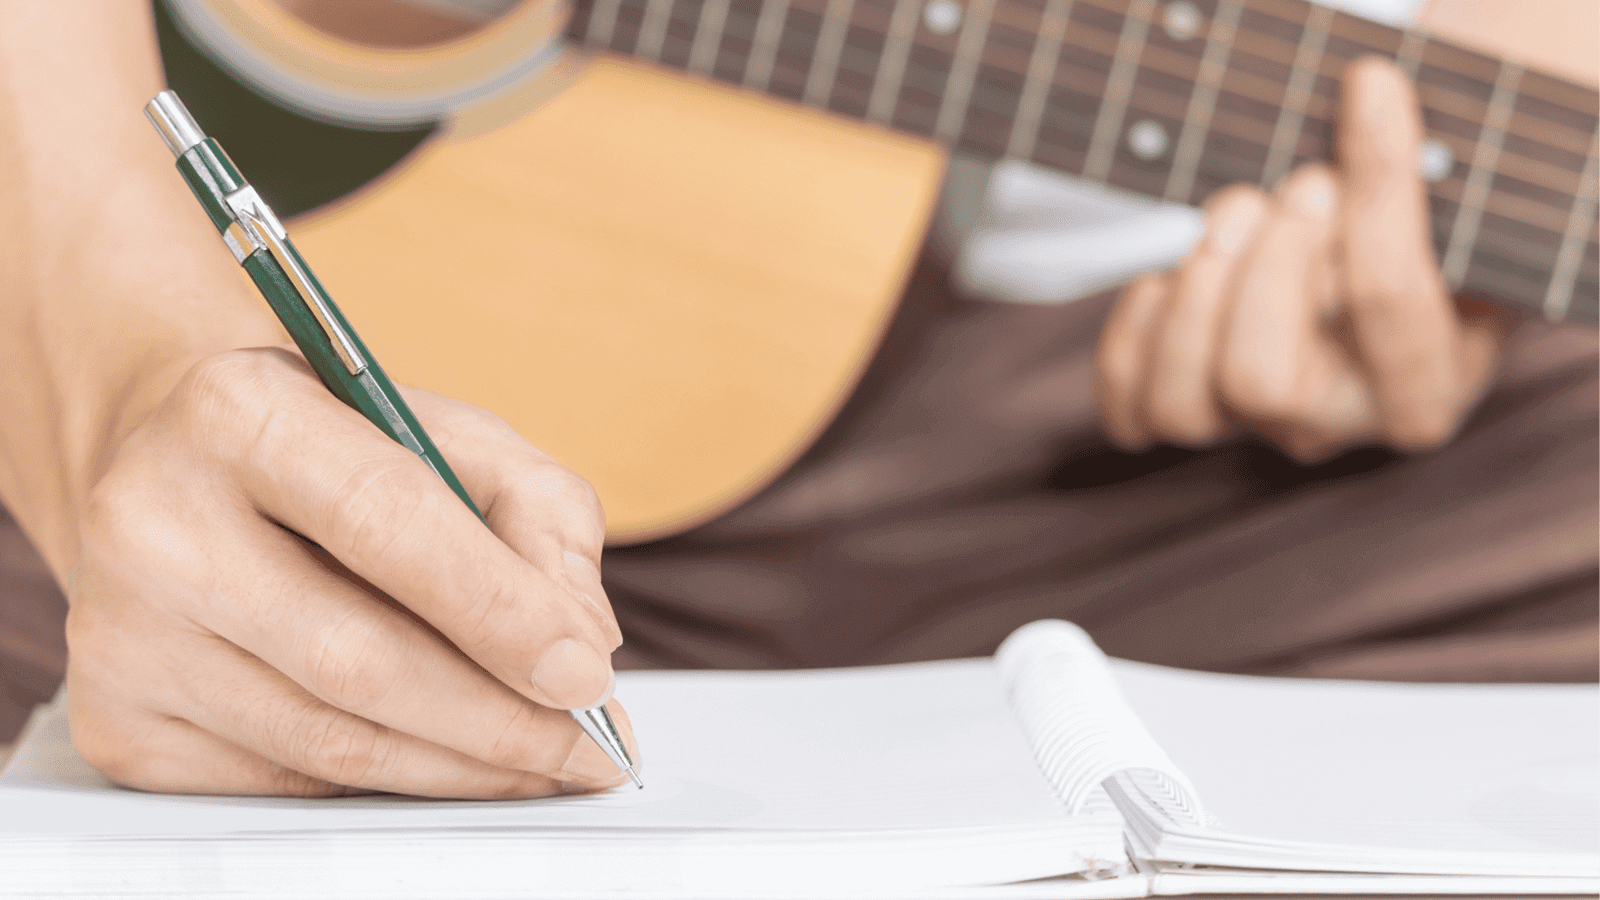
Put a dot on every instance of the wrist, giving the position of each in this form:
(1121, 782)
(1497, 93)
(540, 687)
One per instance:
(105, 326)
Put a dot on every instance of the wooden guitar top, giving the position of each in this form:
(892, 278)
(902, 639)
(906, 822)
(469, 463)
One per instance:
(668, 286)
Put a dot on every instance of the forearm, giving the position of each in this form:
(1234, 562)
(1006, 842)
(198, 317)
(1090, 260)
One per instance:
(111, 280)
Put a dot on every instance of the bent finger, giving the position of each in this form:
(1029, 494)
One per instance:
(153, 752)
(544, 511)
(250, 704)
(355, 653)
(1400, 308)
(1122, 355)
(322, 470)
(1180, 399)
(1276, 361)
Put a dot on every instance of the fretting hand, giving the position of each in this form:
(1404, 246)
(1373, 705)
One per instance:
(1315, 316)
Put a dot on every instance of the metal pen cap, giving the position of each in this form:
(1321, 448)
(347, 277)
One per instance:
(172, 119)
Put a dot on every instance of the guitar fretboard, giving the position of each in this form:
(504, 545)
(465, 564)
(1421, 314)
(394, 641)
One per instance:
(1172, 100)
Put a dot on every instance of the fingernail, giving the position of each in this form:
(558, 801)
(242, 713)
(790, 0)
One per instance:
(1232, 224)
(573, 675)
(1312, 194)
(584, 580)
(589, 766)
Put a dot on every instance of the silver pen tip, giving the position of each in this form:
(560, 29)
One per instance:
(597, 724)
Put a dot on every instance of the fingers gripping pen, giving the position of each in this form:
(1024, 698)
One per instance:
(259, 243)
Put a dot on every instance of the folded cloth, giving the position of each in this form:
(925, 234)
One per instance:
(966, 489)
(33, 648)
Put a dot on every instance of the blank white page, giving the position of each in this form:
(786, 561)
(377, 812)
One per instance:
(906, 747)
(1489, 768)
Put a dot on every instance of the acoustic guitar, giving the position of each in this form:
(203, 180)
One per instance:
(664, 236)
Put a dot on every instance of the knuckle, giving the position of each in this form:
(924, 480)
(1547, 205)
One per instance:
(1258, 394)
(1117, 360)
(1383, 282)
(289, 783)
(572, 503)
(373, 508)
(87, 632)
(523, 788)
(1427, 427)
(520, 746)
(1184, 421)
(341, 748)
(235, 387)
(111, 754)
(349, 666)
(495, 606)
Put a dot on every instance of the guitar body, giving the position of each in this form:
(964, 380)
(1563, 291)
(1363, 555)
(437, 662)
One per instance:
(666, 285)
(670, 285)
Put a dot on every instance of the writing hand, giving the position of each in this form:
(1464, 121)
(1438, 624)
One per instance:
(1315, 316)
(272, 597)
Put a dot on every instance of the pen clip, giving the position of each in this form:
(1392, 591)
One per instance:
(254, 225)
(261, 229)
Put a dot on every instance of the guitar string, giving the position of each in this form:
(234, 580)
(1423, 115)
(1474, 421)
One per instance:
(1042, 64)
(1226, 130)
(943, 74)
(981, 100)
(1198, 118)
(892, 61)
(1113, 109)
(954, 109)
(707, 37)
(1517, 165)
(1537, 261)
(764, 45)
(1558, 296)
(1242, 83)
(1464, 231)
(1537, 253)
(1291, 115)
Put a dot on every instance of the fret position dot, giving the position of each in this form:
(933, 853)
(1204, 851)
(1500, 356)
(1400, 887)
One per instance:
(1148, 140)
(1182, 20)
(941, 16)
(1434, 159)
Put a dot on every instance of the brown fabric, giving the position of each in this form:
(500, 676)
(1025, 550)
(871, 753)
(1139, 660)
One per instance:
(966, 490)
(33, 649)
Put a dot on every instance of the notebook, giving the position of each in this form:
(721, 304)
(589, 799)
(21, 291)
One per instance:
(1048, 771)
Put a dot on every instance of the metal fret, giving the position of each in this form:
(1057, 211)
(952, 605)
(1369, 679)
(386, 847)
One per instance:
(653, 29)
(825, 61)
(1041, 74)
(708, 38)
(963, 71)
(764, 48)
(1412, 45)
(1464, 231)
(892, 65)
(1203, 102)
(602, 21)
(1119, 84)
(1580, 221)
(1307, 60)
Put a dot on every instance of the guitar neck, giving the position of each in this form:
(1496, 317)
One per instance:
(1171, 100)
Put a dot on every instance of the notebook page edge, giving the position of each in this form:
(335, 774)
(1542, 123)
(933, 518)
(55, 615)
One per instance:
(1213, 843)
